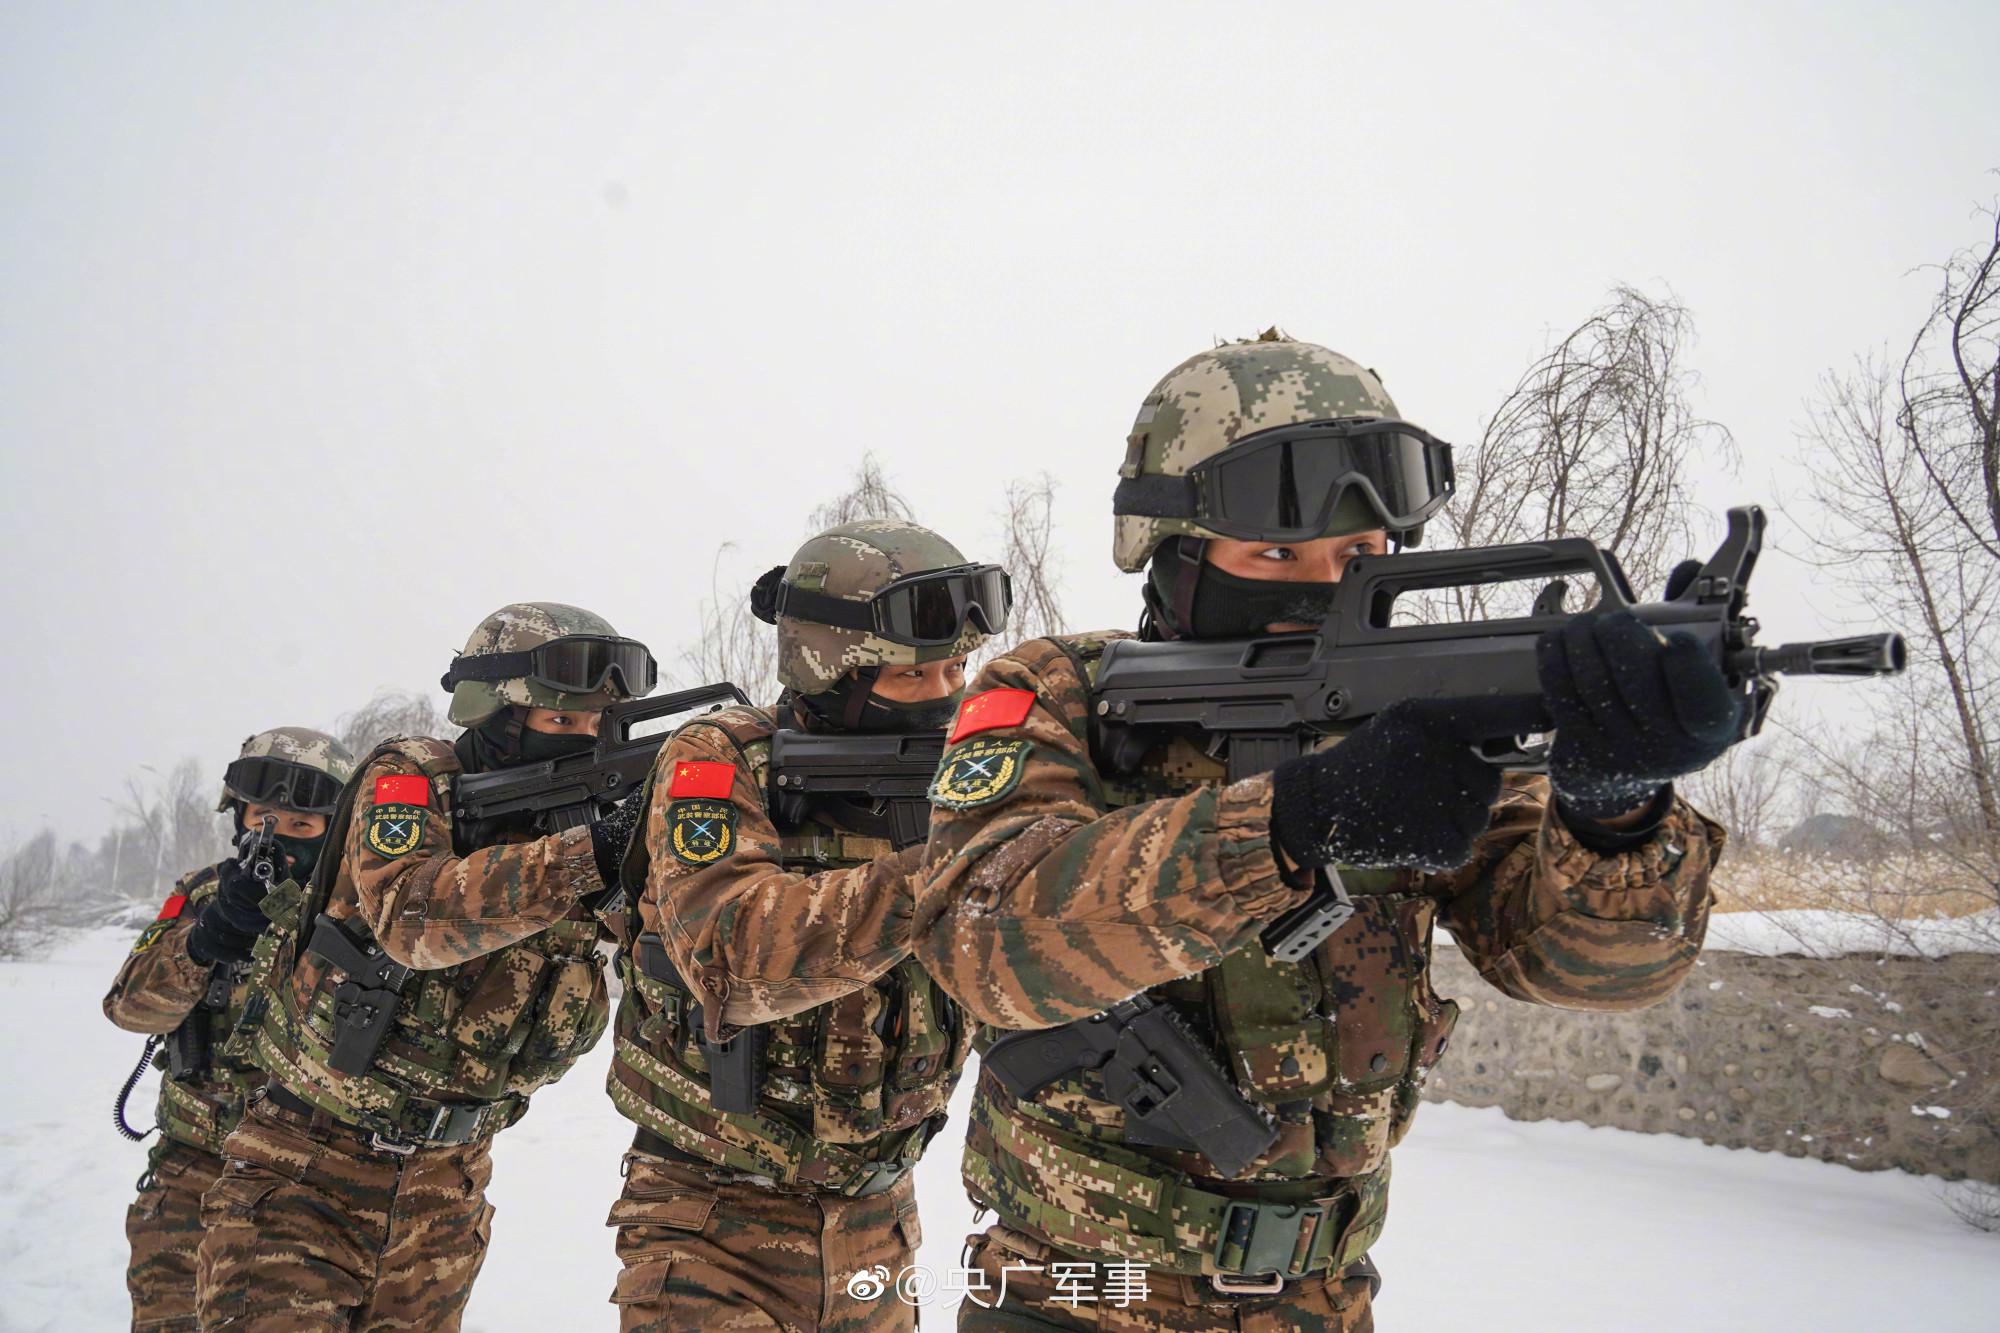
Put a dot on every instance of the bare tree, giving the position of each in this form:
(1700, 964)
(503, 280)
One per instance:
(1027, 552)
(391, 713)
(1950, 389)
(1594, 441)
(28, 896)
(1883, 521)
(869, 494)
(1748, 790)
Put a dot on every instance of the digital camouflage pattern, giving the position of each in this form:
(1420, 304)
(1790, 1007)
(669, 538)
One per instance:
(163, 1228)
(1209, 401)
(298, 745)
(311, 1227)
(514, 628)
(806, 931)
(714, 1252)
(1021, 1289)
(1072, 891)
(854, 561)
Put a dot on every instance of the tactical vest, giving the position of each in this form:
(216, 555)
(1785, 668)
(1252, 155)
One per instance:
(468, 1044)
(853, 1089)
(202, 1109)
(1336, 1047)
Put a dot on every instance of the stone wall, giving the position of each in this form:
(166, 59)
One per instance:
(1872, 1062)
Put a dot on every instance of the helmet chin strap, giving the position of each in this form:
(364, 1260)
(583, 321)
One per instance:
(857, 698)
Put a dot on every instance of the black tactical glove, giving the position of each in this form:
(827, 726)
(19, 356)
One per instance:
(231, 921)
(610, 836)
(1404, 788)
(1632, 711)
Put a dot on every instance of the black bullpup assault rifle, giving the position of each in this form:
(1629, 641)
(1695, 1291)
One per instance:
(1264, 700)
(189, 1053)
(888, 774)
(557, 794)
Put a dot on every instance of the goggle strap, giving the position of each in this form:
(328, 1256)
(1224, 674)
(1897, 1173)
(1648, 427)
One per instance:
(488, 667)
(1155, 496)
(824, 608)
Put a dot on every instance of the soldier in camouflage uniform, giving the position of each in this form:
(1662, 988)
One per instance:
(186, 982)
(1059, 882)
(354, 1195)
(753, 1214)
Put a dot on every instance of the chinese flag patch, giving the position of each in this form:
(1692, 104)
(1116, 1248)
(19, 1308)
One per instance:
(994, 708)
(171, 909)
(695, 777)
(403, 789)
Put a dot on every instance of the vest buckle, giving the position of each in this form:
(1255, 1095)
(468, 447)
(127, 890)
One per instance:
(1275, 1239)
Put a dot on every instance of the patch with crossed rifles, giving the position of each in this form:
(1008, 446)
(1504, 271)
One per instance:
(979, 772)
(703, 831)
(395, 830)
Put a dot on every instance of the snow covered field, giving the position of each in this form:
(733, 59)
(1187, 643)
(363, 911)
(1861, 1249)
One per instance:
(1495, 1225)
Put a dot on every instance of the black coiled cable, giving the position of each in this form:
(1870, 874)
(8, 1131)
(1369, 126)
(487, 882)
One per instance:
(125, 1093)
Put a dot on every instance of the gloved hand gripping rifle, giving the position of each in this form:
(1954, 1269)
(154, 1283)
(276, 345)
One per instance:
(189, 1053)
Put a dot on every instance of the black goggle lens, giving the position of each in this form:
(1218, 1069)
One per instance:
(934, 609)
(1290, 485)
(267, 781)
(582, 666)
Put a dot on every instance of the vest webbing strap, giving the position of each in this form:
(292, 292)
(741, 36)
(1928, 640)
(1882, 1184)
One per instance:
(1294, 1227)
(756, 1144)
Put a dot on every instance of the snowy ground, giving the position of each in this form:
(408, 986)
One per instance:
(1495, 1225)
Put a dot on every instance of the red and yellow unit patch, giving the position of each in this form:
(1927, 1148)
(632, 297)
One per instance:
(991, 710)
(170, 912)
(396, 823)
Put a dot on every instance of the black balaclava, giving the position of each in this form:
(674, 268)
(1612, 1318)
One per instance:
(1188, 598)
(852, 705)
(303, 853)
(494, 743)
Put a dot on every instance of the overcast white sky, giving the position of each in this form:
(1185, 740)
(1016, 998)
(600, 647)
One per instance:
(325, 329)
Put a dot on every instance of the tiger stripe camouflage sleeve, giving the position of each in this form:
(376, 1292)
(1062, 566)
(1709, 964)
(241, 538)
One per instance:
(431, 908)
(1037, 907)
(771, 942)
(1547, 920)
(158, 985)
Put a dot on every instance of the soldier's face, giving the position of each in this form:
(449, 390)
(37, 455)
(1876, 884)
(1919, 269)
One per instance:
(565, 721)
(920, 684)
(290, 823)
(1321, 560)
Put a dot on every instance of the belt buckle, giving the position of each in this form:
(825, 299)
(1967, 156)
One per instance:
(882, 1177)
(381, 1144)
(1270, 1246)
(445, 1123)
(1239, 1284)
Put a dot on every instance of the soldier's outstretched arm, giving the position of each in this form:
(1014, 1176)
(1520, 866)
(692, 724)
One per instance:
(1036, 906)
(1550, 919)
(764, 941)
(159, 985)
(431, 908)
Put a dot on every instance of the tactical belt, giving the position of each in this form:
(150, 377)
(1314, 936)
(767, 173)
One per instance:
(1326, 1226)
(418, 1122)
(833, 847)
(880, 1181)
(196, 1119)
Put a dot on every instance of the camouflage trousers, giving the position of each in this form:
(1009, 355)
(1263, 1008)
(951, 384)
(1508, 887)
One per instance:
(1037, 1298)
(164, 1228)
(311, 1226)
(710, 1251)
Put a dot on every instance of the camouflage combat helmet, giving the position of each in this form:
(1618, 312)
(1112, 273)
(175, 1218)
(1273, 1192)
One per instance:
(266, 783)
(1209, 401)
(853, 562)
(515, 628)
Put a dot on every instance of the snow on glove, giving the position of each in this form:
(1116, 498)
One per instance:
(231, 921)
(1403, 789)
(611, 835)
(1632, 711)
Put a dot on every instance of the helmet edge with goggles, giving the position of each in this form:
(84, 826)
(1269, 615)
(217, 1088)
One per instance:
(292, 768)
(1273, 439)
(545, 655)
(877, 592)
